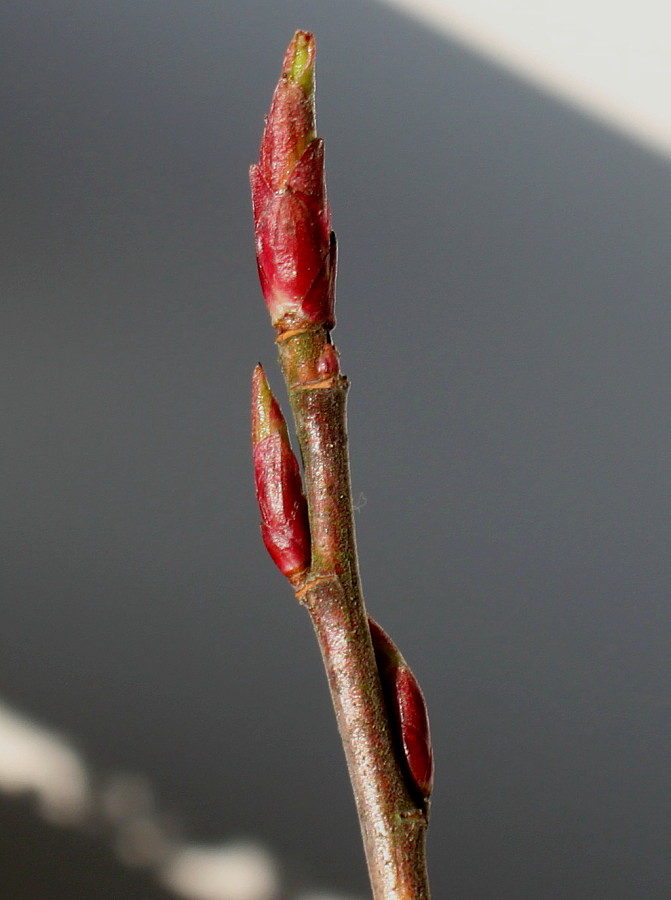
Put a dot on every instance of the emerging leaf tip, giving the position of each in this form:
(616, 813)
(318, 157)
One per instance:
(299, 62)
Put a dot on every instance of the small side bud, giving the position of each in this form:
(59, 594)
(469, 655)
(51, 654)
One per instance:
(279, 490)
(407, 711)
(328, 363)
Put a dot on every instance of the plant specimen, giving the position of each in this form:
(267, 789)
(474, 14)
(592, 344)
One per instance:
(307, 521)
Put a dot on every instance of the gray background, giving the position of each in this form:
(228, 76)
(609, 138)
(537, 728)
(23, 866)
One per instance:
(504, 318)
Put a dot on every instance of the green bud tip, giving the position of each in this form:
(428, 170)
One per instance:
(299, 62)
(267, 416)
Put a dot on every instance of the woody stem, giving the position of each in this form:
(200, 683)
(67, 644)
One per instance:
(393, 826)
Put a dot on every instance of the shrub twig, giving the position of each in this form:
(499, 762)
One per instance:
(378, 704)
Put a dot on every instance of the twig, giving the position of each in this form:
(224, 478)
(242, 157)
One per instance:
(382, 723)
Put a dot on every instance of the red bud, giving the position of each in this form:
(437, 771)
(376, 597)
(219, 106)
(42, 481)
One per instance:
(407, 710)
(328, 363)
(279, 490)
(295, 248)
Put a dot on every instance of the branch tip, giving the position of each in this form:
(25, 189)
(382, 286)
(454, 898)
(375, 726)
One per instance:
(299, 61)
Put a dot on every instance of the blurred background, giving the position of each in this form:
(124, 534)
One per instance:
(503, 304)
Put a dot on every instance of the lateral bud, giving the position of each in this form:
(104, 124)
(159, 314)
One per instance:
(328, 363)
(279, 489)
(407, 711)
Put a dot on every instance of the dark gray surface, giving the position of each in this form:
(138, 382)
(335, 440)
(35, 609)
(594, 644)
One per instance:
(504, 317)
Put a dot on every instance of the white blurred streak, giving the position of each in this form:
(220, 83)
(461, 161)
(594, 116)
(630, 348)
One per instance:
(612, 60)
(241, 871)
(144, 836)
(35, 760)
